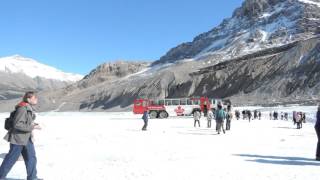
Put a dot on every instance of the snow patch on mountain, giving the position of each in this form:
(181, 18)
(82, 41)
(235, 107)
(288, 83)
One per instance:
(311, 2)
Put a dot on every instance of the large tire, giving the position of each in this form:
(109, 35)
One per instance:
(153, 114)
(163, 114)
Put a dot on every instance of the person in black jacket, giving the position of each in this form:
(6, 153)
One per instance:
(317, 128)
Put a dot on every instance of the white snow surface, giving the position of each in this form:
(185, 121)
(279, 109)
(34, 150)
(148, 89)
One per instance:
(32, 68)
(111, 146)
(311, 2)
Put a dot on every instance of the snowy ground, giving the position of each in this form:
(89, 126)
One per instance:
(110, 146)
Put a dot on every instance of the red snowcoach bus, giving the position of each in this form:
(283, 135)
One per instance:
(164, 108)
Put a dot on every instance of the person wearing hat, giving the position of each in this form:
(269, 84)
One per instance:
(317, 127)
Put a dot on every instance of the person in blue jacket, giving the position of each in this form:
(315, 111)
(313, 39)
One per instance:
(317, 127)
(220, 117)
(145, 118)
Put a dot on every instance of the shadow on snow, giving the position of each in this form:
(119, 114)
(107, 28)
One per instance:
(281, 160)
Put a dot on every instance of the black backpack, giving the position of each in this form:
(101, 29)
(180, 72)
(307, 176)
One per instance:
(8, 123)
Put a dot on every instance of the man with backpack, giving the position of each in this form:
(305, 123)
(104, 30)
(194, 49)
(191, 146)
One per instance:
(220, 116)
(20, 138)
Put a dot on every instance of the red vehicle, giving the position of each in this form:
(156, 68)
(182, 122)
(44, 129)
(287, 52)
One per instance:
(164, 108)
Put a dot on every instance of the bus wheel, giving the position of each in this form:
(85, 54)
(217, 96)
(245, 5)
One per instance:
(153, 114)
(163, 114)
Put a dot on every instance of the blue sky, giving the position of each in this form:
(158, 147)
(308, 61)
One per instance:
(78, 35)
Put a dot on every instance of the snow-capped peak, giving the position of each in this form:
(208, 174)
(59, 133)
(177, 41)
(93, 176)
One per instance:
(32, 68)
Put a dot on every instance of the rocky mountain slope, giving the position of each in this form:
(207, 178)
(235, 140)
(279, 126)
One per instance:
(266, 53)
(257, 25)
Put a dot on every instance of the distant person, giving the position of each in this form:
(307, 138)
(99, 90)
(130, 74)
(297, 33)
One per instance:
(294, 117)
(249, 115)
(229, 117)
(220, 116)
(299, 120)
(259, 115)
(304, 118)
(244, 113)
(214, 113)
(145, 118)
(255, 114)
(275, 115)
(237, 114)
(286, 116)
(317, 128)
(270, 115)
(21, 138)
(209, 118)
(196, 116)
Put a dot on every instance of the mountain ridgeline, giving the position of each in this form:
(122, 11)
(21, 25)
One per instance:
(266, 53)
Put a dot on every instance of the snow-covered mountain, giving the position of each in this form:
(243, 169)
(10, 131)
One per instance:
(256, 25)
(19, 74)
(266, 53)
(32, 68)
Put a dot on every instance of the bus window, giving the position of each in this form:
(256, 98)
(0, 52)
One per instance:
(161, 102)
(189, 102)
(175, 102)
(144, 103)
(156, 102)
(168, 102)
(183, 102)
(138, 103)
(213, 101)
(196, 102)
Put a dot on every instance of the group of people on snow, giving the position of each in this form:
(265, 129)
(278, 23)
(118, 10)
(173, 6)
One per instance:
(220, 115)
(298, 118)
(247, 114)
(275, 115)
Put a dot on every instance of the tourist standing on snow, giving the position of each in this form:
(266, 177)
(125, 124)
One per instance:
(286, 116)
(196, 116)
(270, 115)
(220, 116)
(275, 115)
(294, 117)
(209, 118)
(228, 117)
(259, 114)
(145, 118)
(255, 114)
(237, 114)
(249, 115)
(299, 120)
(20, 138)
(317, 128)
